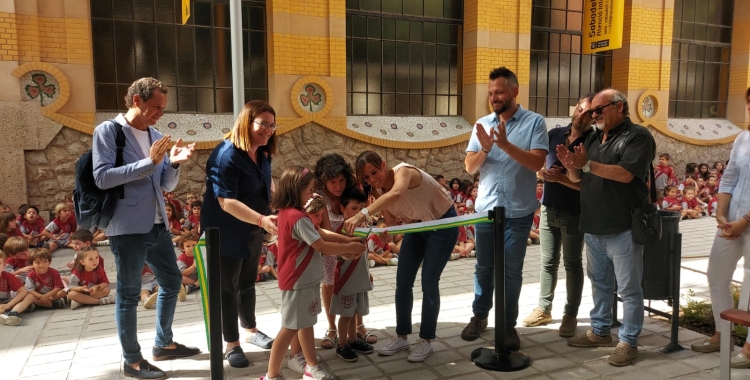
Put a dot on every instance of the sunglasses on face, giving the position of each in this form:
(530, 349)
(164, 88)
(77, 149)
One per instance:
(598, 110)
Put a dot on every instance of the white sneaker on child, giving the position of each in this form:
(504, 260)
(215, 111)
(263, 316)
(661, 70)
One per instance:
(316, 373)
(371, 263)
(473, 253)
(74, 305)
(420, 351)
(393, 261)
(395, 345)
(108, 300)
(297, 363)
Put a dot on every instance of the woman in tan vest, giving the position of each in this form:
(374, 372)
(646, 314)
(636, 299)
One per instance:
(409, 193)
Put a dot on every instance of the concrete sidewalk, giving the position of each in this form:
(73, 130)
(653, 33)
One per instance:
(82, 344)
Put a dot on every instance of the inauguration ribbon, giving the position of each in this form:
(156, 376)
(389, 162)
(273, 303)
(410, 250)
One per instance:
(433, 225)
(200, 265)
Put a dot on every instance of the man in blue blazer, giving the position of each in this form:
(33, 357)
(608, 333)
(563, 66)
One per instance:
(139, 229)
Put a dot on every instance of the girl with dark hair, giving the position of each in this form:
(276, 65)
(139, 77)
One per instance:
(703, 170)
(333, 175)
(237, 198)
(407, 192)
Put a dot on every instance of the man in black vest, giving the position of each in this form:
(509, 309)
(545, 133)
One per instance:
(561, 213)
(613, 167)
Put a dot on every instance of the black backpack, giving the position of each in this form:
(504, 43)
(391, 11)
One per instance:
(94, 207)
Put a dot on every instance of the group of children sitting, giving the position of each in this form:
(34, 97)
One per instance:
(27, 243)
(464, 196)
(695, 196)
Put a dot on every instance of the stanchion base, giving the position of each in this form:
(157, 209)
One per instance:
(488, 359)
(670, 348)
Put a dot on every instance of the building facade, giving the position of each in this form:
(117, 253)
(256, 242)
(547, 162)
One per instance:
(407, 78)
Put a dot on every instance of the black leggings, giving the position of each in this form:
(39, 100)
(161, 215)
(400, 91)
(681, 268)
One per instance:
(238, 289)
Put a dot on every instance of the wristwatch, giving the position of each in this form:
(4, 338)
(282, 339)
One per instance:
(587, 167)
(365, 212)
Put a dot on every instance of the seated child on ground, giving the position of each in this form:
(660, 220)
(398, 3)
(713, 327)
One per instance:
(689, 181)
(690, 203)
(43, 282)
(671, 202)
(60, 228)
(534, 233)
(193, 222)
(186, 262)
(705, 192)
(17, 263)
(186, 211)
(265, 271)
(175, 228)
(82, 240)
(712, 206)
(14, 298)
(149, 288)
(32, 227)
(378, 252)
(9, 225)
(88, 284)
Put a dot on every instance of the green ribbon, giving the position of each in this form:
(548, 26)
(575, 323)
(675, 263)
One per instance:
(433, 225)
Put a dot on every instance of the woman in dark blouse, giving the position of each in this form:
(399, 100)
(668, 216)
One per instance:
(238, 192)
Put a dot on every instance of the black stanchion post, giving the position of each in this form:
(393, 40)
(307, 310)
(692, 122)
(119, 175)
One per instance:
(676, 252)
(499, 358)
(214, 303)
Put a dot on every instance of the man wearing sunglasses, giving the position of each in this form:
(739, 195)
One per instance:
(508, 147)
(558, 230)
(612, 166)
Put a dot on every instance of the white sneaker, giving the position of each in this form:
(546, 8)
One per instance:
(297, 363)
(316, 373)
(371, 263)
(420, 351)
(74, 305)
(266, 377)
(454, 256)
(393, 261)
(473, 253)
(395, 345)
(108, 300)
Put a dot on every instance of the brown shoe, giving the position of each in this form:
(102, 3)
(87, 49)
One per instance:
(473, 329)
(568, 326)
(623, 355)
(536, 318)
(589, 339)
(512, 340)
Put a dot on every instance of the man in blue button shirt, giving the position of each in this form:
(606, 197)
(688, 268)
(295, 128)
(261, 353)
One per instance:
(507, 147)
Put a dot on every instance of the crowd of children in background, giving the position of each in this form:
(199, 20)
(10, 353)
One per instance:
(693, 197)
(27, 243)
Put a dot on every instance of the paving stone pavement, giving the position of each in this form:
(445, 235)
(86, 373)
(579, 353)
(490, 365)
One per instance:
(82, 344)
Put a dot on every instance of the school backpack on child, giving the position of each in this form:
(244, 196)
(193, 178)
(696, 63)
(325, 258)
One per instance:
(94, 207)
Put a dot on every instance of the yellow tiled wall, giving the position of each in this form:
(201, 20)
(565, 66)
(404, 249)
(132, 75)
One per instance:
(8, 37)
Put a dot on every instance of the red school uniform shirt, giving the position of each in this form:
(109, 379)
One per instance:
(667, 202)
(299, 265)
(690, 204)
(88, 278)
(175, 224)
(12, 264)
(662, 175)
(14, 232)
(185, 261)
(44, 283)
(57, 226)
(29, 228)
(8, 283)
(461, 234)
(375, 244)
(177, 206)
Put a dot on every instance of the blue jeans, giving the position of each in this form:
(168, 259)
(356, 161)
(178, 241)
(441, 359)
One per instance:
(131, 252)
(431, 249)
(616, 257)
(516, 235)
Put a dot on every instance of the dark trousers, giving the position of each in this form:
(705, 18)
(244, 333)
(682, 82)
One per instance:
(238, 289)
(559, 229)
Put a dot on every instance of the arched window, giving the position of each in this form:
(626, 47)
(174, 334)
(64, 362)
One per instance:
(403, 57)
(139, 38)
(699, 81)
(560, 73)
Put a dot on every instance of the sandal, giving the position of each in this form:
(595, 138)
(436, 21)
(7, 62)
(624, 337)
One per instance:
(369, 337)
(329, 342)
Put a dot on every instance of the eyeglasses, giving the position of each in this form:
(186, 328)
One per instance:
(269, 126)
(598, 110)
